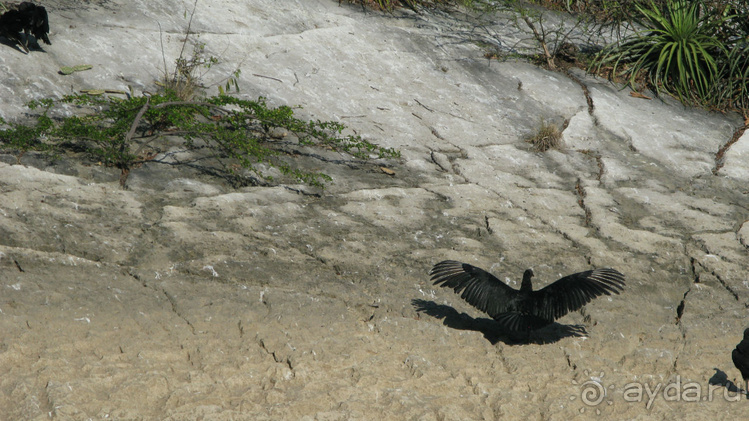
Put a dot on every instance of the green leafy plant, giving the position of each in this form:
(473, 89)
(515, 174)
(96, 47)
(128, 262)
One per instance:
(678, 51)
(23, 138)
(185, 79)
(224, 133)
(733, 91)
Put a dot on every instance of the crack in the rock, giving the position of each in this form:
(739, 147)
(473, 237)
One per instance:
(446, 162)
(137, 278)
(743, 241)
(172, 301)
(286, 361)
(176, 311)
(424, 106)
(695, 264)
(302, 192)
(438, 161)
(570, 364)
(599, 161)
(725, 285)
(436, 133)
(441, 196)
(488, 227)
(431, 110)
(676, 361)
(581, 201)
(693, 269)
(586, 92)
(720, 155)
(680, 308)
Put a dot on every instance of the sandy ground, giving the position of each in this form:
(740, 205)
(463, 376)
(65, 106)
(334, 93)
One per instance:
(182, 298)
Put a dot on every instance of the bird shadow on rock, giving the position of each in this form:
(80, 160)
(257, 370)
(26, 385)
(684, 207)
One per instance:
(12, 44)
(33, 45)
(493, 331)
(720, 378)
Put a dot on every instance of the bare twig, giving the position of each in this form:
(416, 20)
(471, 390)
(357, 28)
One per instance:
(187, 34)
(267, 77)
(198, 103)
(541, 40)
(134, 126)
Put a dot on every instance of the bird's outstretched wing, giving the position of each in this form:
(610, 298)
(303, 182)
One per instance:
(574, 291)
(479, 288)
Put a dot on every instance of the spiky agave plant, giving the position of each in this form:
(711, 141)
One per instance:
(677, 50)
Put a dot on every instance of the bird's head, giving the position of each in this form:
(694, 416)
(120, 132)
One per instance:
(527, 285)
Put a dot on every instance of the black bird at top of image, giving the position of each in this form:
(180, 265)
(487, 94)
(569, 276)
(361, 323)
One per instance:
(740, 357)
(25, 17)
(525, 310)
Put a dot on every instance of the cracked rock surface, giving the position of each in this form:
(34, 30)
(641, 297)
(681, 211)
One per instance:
(181, 298)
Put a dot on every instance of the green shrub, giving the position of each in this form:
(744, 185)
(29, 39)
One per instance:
(228, 132)
(24, 138)
(733, 89)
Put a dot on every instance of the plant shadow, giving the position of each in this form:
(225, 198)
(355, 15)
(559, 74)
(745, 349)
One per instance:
(493, 331)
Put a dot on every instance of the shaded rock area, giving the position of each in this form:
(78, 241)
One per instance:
(180, 298)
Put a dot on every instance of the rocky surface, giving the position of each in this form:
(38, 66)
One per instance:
(181, 298)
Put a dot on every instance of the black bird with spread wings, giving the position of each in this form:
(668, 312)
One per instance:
(525, 309)
(740, 357)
